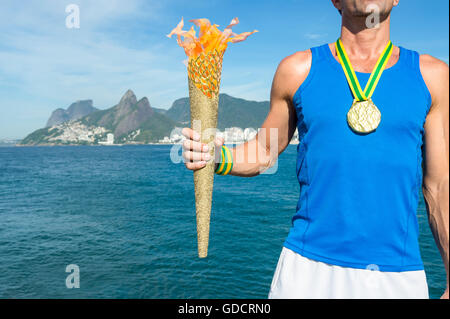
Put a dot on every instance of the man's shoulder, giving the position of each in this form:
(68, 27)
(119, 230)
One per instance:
(435, 72)
(299, 60)
(432, 66)
(294, 69)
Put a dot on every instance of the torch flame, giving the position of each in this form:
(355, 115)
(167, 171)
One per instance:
(205, 52)
(210, 37)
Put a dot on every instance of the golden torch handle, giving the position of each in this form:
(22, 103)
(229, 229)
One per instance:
(203, 120)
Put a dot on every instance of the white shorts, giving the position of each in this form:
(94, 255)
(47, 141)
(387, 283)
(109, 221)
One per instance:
(298, 277)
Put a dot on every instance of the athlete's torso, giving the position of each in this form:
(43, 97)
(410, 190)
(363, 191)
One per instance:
(359, 193)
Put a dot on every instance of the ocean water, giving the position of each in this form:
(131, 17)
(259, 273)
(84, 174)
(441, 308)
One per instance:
(125, 215)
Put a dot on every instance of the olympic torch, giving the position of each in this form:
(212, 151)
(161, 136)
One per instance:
(204, 68)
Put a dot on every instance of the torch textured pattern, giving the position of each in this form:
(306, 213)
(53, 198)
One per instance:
(203, 114)
(205, 71)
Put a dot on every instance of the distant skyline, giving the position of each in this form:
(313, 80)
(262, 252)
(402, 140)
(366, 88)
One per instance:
(122, 45)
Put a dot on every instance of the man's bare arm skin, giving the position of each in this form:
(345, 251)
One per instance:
(436, 157)
(262, 152)
(259, 154)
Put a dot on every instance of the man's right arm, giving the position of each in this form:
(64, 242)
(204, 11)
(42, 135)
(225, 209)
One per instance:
(255, 156)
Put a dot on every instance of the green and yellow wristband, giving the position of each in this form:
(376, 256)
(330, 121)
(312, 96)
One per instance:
(226, 162)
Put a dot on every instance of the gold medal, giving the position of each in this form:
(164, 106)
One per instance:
(363, 116)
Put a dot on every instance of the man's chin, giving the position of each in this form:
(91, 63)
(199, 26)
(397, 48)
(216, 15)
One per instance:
(364, 14)
(359, 14)
(363, 9)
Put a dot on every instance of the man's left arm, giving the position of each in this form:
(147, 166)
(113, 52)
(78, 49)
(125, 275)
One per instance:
(436, 155)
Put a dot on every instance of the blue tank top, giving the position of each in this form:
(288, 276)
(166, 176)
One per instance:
(359, 193)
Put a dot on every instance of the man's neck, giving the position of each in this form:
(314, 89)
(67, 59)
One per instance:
(364, 42)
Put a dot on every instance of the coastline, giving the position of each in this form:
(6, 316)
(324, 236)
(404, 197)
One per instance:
(109, 145)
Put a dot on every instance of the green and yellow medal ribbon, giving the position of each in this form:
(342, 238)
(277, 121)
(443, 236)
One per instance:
(353, 82)
(226, 162)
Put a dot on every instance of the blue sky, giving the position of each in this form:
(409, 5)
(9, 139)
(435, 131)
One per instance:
(121, 44)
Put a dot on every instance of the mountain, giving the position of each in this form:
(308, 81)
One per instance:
(123, 117)
(8, 142)
(233, 112)
(162, 111)
(74, 112)
(136, 121)
(131, 121)
(131, 115)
